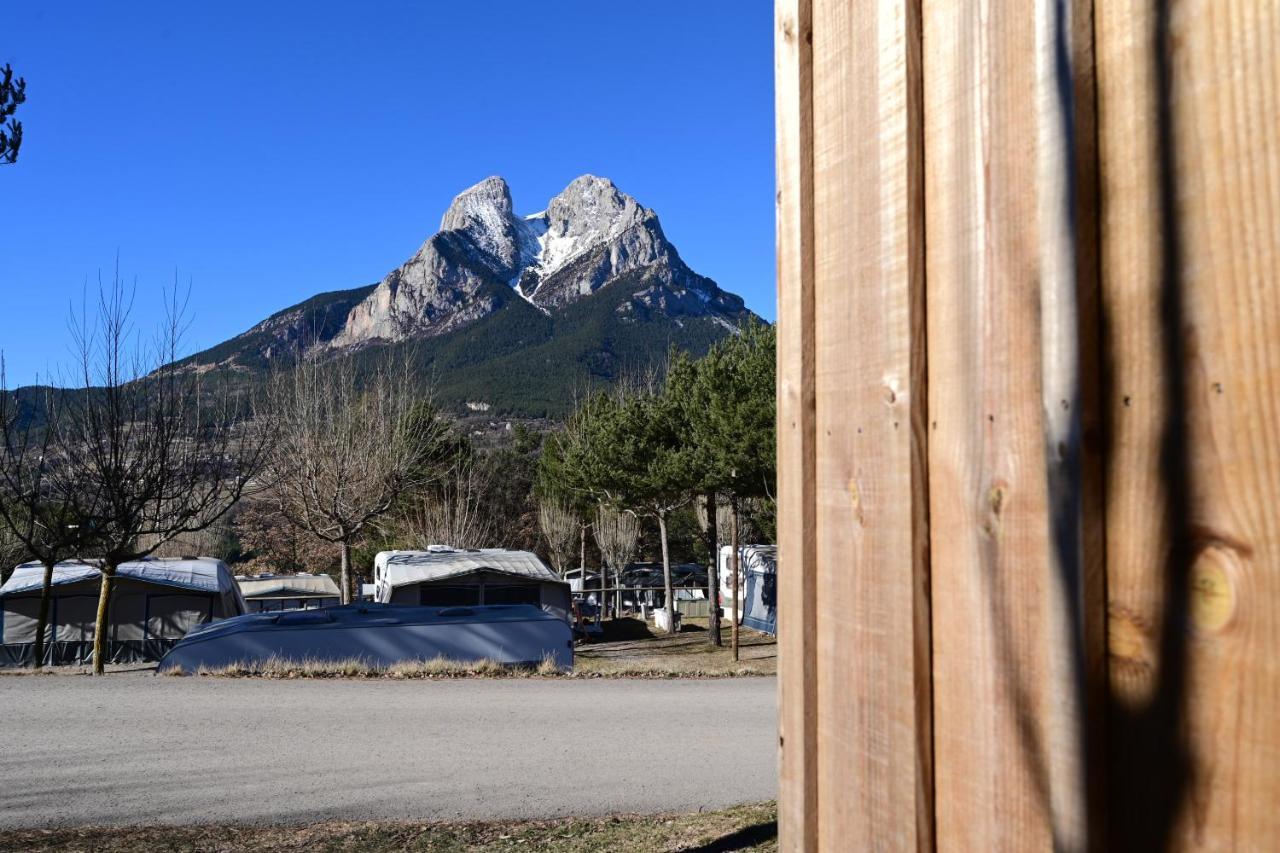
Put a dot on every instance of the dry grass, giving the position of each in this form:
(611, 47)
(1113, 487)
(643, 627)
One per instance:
(630, 648)
(357, 668)
(76, 669)
(751, 827)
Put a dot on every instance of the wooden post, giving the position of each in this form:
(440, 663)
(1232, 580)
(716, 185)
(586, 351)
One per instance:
(713, 569)
(852, 499)
(1041, 611)
(797, 521)
(735, 569)
(1002, 159)
(1189, 106)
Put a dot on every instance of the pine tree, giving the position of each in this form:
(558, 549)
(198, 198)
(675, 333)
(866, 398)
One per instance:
(12, 94)
(727, 400)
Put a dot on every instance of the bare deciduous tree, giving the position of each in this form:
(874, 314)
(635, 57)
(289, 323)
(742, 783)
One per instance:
(349, 446)
(12, 552)
(617, 534)
(216, 540)
(561, 528)
(156, 451)
(36, 519)
(272, 543)
(452, 513)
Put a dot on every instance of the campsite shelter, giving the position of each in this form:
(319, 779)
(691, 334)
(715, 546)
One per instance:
(154, 603)
(445, 577)
(269, 593)
(758, 586)
(643, 585)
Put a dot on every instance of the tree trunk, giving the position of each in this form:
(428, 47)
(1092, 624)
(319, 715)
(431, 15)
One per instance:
(733, 567)
(345, 577)
(42, 618)
(604, 588)
(100, 626)
(713, 572)
(668, 592)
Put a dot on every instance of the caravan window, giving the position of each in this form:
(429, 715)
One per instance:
(445, 595)
(512, 594)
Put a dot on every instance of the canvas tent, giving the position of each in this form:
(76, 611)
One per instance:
(758, 586)
(445, 577)
(154, 603)
(271, 593)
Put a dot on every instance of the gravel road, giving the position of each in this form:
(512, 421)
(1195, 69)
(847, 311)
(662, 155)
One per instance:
(136, 749)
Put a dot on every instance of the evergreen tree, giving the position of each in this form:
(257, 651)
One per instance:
(12, 94)
(727, 402)
(629, 451)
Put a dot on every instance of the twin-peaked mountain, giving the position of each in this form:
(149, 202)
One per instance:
(515, 311)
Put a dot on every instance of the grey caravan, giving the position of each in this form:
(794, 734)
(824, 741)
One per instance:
(271, 593)
(445, 577)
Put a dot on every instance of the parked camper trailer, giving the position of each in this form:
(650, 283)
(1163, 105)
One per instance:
(445, 577)
(154, 604)
(274, 593)
(379, 635)
(757, 586)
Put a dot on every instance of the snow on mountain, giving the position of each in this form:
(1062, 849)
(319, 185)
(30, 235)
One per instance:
(588, 236)
(590, 241)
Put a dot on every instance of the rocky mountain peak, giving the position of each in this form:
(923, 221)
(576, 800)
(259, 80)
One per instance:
(589, 238)
(484, 214)
(592, 205)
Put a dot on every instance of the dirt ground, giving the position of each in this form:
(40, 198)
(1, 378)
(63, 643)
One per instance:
(750, 827)
(631, 647)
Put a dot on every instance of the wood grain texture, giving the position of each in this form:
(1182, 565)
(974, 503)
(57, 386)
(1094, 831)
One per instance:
(797, 682)
(1007, 263)
(1189, 111)
(873, 679)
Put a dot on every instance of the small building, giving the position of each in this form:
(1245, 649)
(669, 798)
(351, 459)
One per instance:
(445, 577)
(154, 603)
(271, 593)
(758, 586)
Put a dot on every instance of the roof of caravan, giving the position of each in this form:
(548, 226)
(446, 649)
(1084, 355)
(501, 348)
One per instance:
(755, 558)
(406, 567)
(198, 573)
(367, 615)
(294, 586)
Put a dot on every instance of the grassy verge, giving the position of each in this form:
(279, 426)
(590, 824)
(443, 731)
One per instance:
(585, 668)
(630, 648)
(751, 827)
(357, 668)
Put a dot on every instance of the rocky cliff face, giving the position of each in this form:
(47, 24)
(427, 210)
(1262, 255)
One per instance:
(589, 235)
(591, 279)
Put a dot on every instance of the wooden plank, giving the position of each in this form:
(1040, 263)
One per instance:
(873, 687)
(1189, 106)
(1008, 261)
(797, 680)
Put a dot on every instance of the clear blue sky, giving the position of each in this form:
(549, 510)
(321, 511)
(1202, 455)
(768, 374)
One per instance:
(270, 151)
